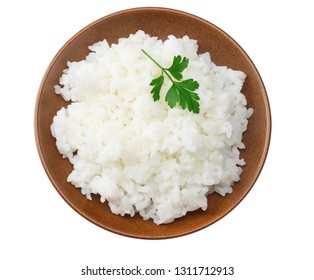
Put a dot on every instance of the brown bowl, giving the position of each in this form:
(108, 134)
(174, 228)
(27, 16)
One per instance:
(157, 22)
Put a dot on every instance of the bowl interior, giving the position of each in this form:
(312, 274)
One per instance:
(156, 22)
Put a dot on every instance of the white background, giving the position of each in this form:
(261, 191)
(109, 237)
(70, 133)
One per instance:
(268, 236)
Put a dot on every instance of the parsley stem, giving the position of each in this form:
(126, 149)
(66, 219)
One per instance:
(162, 68)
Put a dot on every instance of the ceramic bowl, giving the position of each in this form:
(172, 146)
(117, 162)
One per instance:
(157, 22)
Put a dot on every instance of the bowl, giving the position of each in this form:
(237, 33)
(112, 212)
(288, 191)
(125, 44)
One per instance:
(157, 22)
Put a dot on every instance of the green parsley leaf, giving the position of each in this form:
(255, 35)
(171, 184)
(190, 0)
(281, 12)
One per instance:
(177, 67)
(157, 84)
(181, 92)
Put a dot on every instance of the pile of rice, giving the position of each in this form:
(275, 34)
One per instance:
(142, 156)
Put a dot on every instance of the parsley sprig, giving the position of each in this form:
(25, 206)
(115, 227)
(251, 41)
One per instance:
(182, 92)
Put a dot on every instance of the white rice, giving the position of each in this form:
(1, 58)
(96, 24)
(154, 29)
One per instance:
(142, 156)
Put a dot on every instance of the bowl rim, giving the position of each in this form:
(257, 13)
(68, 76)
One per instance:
(268, 119)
